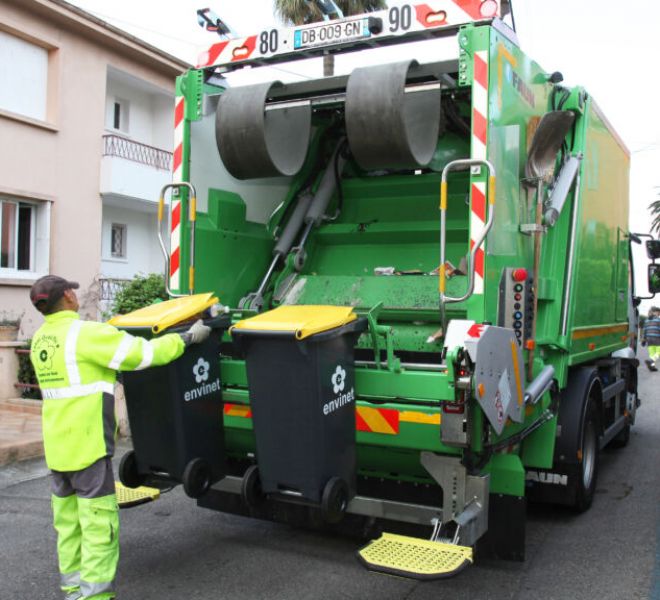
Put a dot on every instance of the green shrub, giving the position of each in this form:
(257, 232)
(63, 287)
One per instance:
(26, 375)
(140, 292)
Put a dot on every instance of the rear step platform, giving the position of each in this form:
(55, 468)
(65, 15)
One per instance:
(413, 557)
(129, 497)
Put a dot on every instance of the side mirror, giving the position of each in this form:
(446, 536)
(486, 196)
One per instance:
(654, 279)
(209, 20)
(653, 249)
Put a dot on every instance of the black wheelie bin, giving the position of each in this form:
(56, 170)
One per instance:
(175, 411)
(300, 371)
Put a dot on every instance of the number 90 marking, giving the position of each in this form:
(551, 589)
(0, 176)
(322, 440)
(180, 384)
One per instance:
(400, 18)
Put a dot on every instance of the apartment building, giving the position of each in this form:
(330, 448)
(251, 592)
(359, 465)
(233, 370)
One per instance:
(86, 119)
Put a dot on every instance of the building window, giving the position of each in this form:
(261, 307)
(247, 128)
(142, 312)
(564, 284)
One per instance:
(24, 237)
(24, 76)
(119, 115)
(118, 241)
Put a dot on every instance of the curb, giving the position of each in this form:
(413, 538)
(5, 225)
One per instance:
(11, 452)
(22, 405)
(20, 430)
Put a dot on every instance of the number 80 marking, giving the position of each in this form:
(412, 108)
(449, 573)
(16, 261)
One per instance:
(268, 41)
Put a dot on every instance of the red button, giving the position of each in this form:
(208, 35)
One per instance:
(519, 274)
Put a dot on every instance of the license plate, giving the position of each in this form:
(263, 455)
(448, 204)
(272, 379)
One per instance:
(331, 33)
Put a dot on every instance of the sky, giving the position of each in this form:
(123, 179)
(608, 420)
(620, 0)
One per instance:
(607, 46)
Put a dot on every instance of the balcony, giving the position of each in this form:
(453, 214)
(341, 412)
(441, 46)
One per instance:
(132, 170)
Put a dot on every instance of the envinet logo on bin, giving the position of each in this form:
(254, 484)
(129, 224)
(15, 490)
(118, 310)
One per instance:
(201, 373)
(338, 381)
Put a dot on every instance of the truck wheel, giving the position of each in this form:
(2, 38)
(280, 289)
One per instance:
(196, 478)
(588, 472)
(251, 491)
(128, 471)
(334, 500)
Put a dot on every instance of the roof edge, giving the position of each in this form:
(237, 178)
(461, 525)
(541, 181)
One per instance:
(99, 26)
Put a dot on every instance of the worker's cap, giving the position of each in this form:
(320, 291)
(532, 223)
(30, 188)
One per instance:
(47, 291)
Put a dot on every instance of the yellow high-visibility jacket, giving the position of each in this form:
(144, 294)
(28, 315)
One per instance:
(76, 364)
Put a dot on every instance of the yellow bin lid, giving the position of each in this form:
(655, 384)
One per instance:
(303, 321)
(159, 317)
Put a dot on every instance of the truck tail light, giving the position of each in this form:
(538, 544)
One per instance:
(488, 9)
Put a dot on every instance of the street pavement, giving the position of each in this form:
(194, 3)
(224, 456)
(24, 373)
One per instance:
(171, 549)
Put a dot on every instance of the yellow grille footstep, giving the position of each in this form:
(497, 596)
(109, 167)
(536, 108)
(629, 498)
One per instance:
(129, 497)
(413, 557)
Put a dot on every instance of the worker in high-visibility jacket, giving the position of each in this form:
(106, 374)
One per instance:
(76, 363)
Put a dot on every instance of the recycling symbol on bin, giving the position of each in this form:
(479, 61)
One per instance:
(338, 380)
(201, 370)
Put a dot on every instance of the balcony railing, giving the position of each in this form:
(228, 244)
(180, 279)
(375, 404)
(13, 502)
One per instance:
(108, 288)
(115, 145)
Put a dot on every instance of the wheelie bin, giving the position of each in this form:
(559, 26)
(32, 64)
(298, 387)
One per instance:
(175, 411)
(300, 370)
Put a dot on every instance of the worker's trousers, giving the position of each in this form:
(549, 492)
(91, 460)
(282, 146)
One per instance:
(86, 518)
(654, 353)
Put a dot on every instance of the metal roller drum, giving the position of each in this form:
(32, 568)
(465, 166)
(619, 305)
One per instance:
(256, 143)
(387, 125)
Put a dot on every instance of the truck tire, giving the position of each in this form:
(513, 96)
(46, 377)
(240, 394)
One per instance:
(196, 478)
(571, 481)
(128, 471)
(589, 452)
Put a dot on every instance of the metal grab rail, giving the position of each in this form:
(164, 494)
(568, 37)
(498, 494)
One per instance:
(455, 165)
(192, 217)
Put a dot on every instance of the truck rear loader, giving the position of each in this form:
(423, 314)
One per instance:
(427, 271)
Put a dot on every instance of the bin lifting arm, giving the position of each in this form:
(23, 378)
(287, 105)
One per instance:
(393, 363)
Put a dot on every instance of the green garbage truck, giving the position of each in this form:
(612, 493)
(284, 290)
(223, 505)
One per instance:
(427, 269)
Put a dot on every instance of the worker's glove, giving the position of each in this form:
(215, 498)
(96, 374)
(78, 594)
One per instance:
(643, 342)
(197, 333)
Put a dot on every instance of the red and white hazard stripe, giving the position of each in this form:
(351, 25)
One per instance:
(228, 52)
(177, 176)
(479, 152)
(452, 12)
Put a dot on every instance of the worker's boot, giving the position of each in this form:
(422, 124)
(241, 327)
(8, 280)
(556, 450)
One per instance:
(651, 364)
(74, 595)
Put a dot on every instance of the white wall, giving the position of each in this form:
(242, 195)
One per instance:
(132, 179)
(163, 114)
(150, 115)
(142, 249)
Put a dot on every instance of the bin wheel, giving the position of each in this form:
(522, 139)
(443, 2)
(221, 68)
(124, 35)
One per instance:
(128, 471)
(251, 491)
(196, 478)
(334, 500)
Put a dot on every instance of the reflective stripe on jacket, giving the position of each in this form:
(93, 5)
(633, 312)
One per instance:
(76, 362)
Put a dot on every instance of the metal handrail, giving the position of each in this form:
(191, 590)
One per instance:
(455, 165)
(192, 217)
(116, 145)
